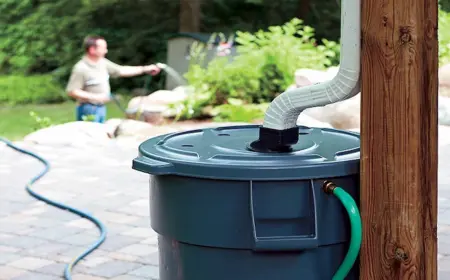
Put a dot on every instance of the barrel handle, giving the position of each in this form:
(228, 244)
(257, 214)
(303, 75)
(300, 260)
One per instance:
(284, 243)
(152, 166)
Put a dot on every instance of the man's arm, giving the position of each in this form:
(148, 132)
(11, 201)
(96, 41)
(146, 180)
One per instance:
(130, 71)
(116, 70)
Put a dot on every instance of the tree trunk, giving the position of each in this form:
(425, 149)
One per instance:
(190, 15)
(303, 9)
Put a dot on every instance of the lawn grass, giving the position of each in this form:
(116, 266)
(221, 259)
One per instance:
(16, 122)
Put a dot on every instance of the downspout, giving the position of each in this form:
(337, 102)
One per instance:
(279, 130)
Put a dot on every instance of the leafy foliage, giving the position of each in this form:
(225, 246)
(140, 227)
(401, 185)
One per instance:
(444, 5)
(40, 122)
(36, 38)
(88, 118)
(16, 89)
(41, 36)
(46, 36)
(235, 111)
(263, 68)
(444, 37)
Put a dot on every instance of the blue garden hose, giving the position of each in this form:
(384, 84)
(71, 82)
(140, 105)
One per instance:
(99, 224)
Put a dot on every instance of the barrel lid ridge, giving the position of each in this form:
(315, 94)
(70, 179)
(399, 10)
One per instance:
(223, 153)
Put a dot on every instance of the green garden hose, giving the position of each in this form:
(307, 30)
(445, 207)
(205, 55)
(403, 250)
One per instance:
(356, 229)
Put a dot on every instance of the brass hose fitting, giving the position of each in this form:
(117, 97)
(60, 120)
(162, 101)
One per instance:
(329, 187)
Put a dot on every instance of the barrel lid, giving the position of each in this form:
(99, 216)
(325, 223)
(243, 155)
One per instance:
(224, 153)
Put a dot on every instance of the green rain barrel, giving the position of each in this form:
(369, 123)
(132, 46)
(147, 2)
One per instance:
(225, 212)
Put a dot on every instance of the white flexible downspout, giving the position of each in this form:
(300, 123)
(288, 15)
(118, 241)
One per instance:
(284, 110)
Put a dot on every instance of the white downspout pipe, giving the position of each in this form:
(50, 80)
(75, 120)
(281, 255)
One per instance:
(285, 109)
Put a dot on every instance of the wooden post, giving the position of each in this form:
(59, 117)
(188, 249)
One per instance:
(190, 15)
(399, 139)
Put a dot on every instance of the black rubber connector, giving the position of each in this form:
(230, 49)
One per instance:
(275, 141)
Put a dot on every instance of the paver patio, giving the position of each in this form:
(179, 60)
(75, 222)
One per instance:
(37, 240)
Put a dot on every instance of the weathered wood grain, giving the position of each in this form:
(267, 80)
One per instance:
(399, 139)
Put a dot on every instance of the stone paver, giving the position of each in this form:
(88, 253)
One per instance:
(35, 276)
(8, 257)
(8, 272)
(80, 276)
(129, 277)
(146, 271)
(113, 268)
(140, 250)
(30, 263)
(52, 269)
(37, 240)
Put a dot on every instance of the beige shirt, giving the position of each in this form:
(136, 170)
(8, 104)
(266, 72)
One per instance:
(93, 77)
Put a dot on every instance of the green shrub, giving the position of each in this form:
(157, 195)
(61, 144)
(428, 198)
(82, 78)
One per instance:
(235, 111)
(263, 68)
(444, 37)
(30, 89)
(40, 122)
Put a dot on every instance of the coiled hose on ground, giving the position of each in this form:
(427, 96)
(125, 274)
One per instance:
(98, 224)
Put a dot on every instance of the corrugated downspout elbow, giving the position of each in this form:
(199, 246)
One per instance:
(279, 129)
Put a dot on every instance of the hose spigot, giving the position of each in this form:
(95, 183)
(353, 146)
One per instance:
(329, 187)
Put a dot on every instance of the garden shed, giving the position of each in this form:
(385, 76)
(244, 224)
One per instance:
(179, 47)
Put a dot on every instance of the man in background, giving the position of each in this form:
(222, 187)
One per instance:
(89, 80)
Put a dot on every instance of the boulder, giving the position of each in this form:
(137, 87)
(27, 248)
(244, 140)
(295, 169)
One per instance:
(306, 120)
(160, 99)
(304, 76)
(444, 110)
(111, 126)
(444, 135)
(341, 115)
(154, 107)
(137, 129)
(346, 114)
(191, 125)
(77, 134)
(444, 80)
